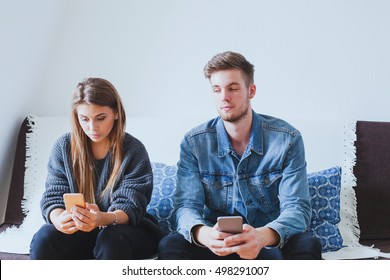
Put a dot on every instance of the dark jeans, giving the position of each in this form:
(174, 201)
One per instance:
(300, 247)
(118, 242)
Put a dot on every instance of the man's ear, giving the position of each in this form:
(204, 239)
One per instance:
(252, 91)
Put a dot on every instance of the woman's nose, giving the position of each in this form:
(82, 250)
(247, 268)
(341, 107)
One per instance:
(92, 125)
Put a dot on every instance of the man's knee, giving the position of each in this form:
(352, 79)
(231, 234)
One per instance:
(303, 246)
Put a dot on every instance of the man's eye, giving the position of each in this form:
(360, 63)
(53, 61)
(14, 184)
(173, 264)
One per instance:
(233, 89)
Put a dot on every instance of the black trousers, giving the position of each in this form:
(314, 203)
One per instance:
(116, 242)
(301, 246)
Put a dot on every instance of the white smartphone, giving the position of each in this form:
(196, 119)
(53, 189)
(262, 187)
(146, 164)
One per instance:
(73, 199)
(230, 224)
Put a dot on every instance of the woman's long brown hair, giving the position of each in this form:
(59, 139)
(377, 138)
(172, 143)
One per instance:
(99, 92)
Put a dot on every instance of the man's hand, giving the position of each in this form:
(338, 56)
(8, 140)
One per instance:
(249, 243)
(212, 239)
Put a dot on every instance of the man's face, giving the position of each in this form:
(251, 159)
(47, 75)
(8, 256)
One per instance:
(232, 95)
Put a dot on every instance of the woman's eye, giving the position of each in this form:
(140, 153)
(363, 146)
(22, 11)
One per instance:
(101, 118)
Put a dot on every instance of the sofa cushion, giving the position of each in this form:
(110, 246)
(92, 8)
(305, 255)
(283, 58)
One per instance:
(161, 204)
(325, 187)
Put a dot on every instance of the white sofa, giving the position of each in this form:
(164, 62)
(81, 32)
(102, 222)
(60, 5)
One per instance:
(328, 144)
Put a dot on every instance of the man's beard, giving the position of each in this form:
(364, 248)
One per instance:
(235, 118)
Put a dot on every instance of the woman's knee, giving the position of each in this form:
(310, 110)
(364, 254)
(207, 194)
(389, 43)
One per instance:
(125, 242)
(173, 240)
(42, 240)
(111, 237)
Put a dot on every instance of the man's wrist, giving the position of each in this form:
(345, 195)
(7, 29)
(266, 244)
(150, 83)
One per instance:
(271, 237)
(195, 235)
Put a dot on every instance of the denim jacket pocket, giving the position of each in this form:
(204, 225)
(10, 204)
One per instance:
(265, 190)
(217, 188)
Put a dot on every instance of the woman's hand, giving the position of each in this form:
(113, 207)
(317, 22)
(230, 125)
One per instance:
(62, 220)
(88, 218)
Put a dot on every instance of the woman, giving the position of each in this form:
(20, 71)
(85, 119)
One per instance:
(112, 169)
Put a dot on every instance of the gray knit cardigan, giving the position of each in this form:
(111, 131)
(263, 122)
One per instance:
(131, 193)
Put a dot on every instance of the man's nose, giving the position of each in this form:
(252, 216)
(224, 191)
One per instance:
(225, 95)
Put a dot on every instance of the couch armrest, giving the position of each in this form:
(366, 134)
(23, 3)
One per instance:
(14, 214)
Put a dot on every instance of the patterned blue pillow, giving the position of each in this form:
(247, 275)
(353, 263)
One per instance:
(161, 204)
(325, 187)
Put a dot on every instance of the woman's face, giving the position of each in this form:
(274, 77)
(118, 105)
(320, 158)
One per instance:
(96, 121)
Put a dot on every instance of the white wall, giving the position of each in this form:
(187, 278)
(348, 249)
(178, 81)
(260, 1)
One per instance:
(28, 30)
(315, 60)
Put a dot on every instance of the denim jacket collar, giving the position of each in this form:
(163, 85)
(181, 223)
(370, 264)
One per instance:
(255, 141)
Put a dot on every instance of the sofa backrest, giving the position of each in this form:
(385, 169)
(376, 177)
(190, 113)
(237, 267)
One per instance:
(372, 172)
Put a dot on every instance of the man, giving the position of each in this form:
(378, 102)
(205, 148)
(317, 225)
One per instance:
(242, 164)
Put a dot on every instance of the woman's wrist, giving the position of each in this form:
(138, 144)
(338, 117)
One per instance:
(110, 218)
(116, 221)
(54, 214)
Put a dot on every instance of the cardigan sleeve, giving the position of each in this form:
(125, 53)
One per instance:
(134, 189)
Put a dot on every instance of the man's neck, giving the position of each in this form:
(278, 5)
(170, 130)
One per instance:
(239, 133)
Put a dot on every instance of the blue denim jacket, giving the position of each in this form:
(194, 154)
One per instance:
(267, 185)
